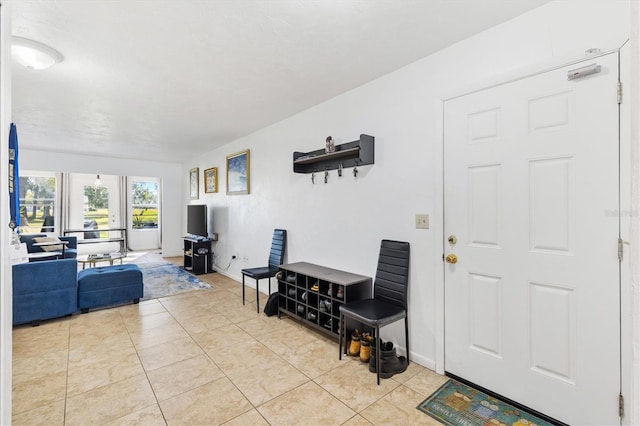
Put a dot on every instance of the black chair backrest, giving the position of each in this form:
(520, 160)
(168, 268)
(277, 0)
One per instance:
(278, 244)
(392, 275)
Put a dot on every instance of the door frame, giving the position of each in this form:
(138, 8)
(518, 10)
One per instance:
(628, 381)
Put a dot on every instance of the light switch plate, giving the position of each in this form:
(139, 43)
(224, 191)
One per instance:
(422, 221)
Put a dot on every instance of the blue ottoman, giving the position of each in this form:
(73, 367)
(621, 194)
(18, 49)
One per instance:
(109, 285)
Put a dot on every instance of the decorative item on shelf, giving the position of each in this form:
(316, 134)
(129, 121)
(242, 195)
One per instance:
(311, 316)
(292, 292)
(326, 176)
(279, 275)
(329, 323)
(315, 287)
(329, 291)
(330, 145)
(291, 278)
(301, 309)
(304, 296)
(339, 293)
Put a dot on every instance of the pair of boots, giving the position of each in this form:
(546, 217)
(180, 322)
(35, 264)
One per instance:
(360, 345)
(390, 362)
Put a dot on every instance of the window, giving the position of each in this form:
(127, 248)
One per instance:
(37, 202)
(96, 208)
(144, 205)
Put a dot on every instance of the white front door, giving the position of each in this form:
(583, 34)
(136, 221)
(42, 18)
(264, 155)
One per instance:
(532, 309)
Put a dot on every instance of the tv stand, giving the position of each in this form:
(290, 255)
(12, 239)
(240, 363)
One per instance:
(198, 255)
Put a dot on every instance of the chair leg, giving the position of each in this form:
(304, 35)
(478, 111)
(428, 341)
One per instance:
(378, 341)
(258, 296)
(243, 289)
(340, 336)
(406, 335)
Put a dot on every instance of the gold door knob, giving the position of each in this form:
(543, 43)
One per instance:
(451, 258)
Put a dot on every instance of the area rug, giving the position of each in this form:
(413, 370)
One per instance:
(162, 279)
(456, 404)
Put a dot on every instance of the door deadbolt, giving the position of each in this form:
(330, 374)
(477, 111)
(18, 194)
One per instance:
(452, 239)
(451, 258)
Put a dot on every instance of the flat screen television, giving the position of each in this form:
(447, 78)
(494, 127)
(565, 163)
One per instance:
(197, 220)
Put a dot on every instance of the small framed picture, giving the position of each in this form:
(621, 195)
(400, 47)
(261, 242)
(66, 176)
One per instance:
(193, 183)
(238, 173)
(211, 180)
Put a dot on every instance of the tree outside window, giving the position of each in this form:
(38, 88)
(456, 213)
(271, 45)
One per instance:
(144, 205)
(37, 200)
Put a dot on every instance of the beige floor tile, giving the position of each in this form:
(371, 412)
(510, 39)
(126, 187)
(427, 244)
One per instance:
(41, 343)
(183, 376)
(39, 391)
(426, 382)
(353, 384)
(398, 408)
(357, 420)
(261, 325)
(168, 353)
(289, 338)
(147, 322)
(36, 366)
(104, 371)
(47, 415)
(110, 402)
(92, 352)
(222, 337)
(412, 370)
(309, 404)
(203, 323)
(146, 307)
(252, 418)
(149, 416)
(315, 358)
(27, 333)
(211, 404)
(158, 335)
(260, 374)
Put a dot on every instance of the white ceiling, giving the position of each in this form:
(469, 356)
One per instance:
(166, 79)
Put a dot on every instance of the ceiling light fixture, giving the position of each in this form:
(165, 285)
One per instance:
(33, 54)
(98, 182)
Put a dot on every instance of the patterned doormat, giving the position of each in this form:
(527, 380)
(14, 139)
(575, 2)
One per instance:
(456, 404)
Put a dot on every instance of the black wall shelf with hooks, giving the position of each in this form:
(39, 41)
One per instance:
(350, 154)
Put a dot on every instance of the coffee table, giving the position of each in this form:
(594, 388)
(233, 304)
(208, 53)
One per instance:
(91, 260)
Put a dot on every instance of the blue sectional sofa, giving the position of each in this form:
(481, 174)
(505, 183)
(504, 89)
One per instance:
(44, 290)
(70, 251)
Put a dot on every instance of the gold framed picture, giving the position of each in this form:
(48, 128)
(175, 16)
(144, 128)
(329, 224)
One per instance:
(193, 183)
(238, 173)
(211, 180)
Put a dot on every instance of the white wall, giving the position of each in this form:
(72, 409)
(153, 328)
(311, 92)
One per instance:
(340, 224)
(169, 173)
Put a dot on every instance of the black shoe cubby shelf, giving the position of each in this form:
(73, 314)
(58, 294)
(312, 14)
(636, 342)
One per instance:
(313, 294)
(350, 154)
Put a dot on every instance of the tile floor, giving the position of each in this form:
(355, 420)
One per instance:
(200, 358)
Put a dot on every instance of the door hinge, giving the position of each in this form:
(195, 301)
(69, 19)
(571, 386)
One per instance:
(619, 91)
(621, 405)
(620, 249)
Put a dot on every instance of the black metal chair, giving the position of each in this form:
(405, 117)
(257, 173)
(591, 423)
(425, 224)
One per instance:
(389, 303)
(276, 255)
